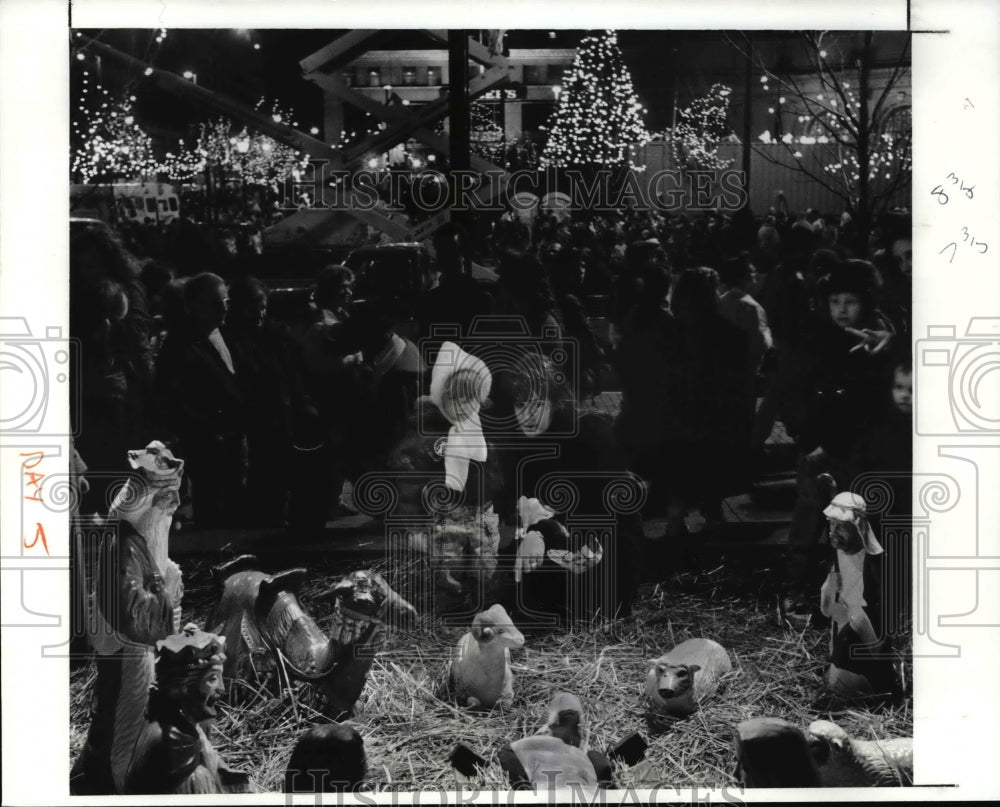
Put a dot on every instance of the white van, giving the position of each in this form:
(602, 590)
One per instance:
(126, 201)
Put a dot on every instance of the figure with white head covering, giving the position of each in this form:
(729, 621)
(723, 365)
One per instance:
(449, 475)
(859, 660)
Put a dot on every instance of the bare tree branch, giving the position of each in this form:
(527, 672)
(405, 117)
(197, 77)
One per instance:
(899, 67)
(864, 169)
(801, 167)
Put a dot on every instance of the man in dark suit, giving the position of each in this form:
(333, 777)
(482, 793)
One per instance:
(204, 404)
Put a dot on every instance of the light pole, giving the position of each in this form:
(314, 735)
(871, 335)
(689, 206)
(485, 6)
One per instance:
(242, 147)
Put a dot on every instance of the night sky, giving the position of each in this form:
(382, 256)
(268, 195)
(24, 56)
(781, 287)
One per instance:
(663, 63)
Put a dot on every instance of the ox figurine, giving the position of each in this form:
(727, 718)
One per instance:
(261, 617)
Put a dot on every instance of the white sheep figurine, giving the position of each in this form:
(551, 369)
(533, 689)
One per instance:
(480, 673)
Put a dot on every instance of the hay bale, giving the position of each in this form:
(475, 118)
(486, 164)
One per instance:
(410, 726)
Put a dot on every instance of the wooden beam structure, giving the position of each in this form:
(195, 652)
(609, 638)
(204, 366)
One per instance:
(401, 123)
(339, 52)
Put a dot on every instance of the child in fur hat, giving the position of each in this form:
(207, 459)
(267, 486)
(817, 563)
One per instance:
(835, 395)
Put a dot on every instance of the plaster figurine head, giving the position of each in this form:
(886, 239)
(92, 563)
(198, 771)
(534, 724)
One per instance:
(189, 671)
(156, 487)
(363, 599)
(850, 531)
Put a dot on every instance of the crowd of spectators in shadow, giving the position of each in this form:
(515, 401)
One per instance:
(714, 328)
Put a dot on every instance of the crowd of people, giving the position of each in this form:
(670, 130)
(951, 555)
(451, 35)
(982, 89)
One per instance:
(718, 326)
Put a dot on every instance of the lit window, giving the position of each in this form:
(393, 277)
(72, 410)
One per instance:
(409, 76)
(433, 76)
(374, 77)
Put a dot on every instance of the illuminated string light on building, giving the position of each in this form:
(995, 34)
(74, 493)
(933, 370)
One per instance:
(599, 117)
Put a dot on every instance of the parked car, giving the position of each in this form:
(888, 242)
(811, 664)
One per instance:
(387, 280)
(389, 272)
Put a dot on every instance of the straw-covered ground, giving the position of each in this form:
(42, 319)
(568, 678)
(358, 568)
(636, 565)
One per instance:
(410, 726)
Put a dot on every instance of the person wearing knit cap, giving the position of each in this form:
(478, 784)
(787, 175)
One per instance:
(173, 754)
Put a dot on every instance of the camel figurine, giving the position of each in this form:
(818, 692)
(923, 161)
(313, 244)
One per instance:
(262, 619)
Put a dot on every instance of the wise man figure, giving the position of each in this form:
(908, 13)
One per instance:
(134, 603)
(173, 753)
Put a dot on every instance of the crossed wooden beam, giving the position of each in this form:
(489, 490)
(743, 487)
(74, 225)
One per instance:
(401, 122)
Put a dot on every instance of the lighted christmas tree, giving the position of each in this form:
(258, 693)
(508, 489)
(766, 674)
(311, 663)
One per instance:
(108, 144)
(700, 129)
(599, 117)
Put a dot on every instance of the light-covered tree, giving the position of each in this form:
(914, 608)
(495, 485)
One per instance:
(701, 128)
(108, 144)
(599, 118)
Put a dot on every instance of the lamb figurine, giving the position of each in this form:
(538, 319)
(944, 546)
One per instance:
(557, 756)
(683, 677)
(479, 672)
